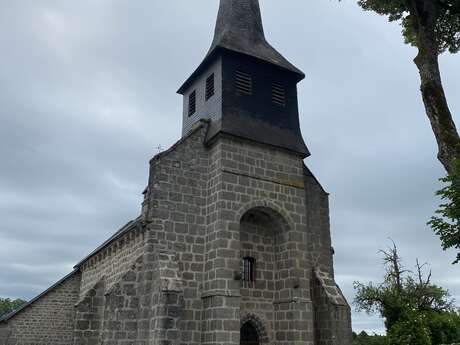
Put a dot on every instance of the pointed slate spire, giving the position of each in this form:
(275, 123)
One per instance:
(244, 88)
(239, 28)
(238, 22)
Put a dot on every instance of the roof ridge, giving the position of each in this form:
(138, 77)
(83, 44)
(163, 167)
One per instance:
(124, 229)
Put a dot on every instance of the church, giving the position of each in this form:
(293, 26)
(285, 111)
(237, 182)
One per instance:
(232, 244)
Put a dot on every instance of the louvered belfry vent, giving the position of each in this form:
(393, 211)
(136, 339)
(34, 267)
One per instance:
(243, 83)
(192, 103)
(278, 94)
(244, 87)
(210, 86)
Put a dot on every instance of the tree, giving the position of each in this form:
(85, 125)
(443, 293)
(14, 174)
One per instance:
(7, 305)
(416, 311)
(446, 222)
(401, 293)
(433, 26)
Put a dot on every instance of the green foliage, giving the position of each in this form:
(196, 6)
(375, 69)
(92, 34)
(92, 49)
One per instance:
(426, 328)
(380, 299)
(444, 328)
(416, 311)
(7, 305)
(364, 339)
(446, 222)
(446, 14)
(413, 331)
(401, 293)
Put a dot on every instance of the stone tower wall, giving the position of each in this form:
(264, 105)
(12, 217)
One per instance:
(176, 216)
(49, 320)
(319, 246)
(248, 176)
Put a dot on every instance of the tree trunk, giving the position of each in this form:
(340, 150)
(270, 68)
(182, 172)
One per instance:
(432, 90)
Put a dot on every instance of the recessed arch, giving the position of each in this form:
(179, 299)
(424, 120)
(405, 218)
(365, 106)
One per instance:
(270, 208)
(252, 323)
(249, 334)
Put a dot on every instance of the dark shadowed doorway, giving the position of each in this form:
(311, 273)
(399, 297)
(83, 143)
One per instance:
(249, 335)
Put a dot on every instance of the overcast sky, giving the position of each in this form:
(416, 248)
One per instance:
(87, 94)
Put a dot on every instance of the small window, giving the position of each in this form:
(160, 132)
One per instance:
(243, 83)
(278, 94)
(249, 269)
(210, 86)
(192, 103)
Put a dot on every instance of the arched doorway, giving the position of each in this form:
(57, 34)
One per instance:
(249, 334)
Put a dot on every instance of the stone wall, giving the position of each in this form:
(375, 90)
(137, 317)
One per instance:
(176, 219)
(173, 276)
(251, 177)
(258, 240)
(319, 246)
(47, 321)
(114, 260)
(331, 311)
(144, 307)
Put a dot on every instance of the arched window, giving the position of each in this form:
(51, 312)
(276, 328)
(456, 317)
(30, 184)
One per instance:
(249, 269)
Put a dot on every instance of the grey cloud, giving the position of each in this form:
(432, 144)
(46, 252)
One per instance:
(87, 93)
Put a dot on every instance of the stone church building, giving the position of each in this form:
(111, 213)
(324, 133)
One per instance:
(232, 245)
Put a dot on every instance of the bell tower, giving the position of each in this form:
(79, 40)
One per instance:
(233, 245)
(244, 86)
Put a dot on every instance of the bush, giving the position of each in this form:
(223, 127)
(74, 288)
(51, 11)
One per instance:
(413, 331)
(444, 328)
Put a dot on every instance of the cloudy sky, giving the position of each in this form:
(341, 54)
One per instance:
(87, 94)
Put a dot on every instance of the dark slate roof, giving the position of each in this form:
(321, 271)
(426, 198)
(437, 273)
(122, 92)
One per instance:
(8, 316)
(125, 229)
(239, 28)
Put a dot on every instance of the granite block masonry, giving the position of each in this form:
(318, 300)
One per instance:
(232, 244)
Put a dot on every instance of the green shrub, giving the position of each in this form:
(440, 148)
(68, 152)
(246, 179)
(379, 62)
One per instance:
(413, 331)
(444, 328)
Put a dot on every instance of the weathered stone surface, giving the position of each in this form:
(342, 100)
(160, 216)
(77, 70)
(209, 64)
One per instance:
(49, 320)
(176, 277)
(173, 276)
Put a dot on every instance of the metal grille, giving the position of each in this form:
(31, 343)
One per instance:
(278, 94)
(249, 269)
(210, 86)
(243, 83)
(192, 103)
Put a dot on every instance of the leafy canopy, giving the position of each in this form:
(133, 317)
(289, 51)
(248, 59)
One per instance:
(446, 222)
(446, 24)
(7, 305)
